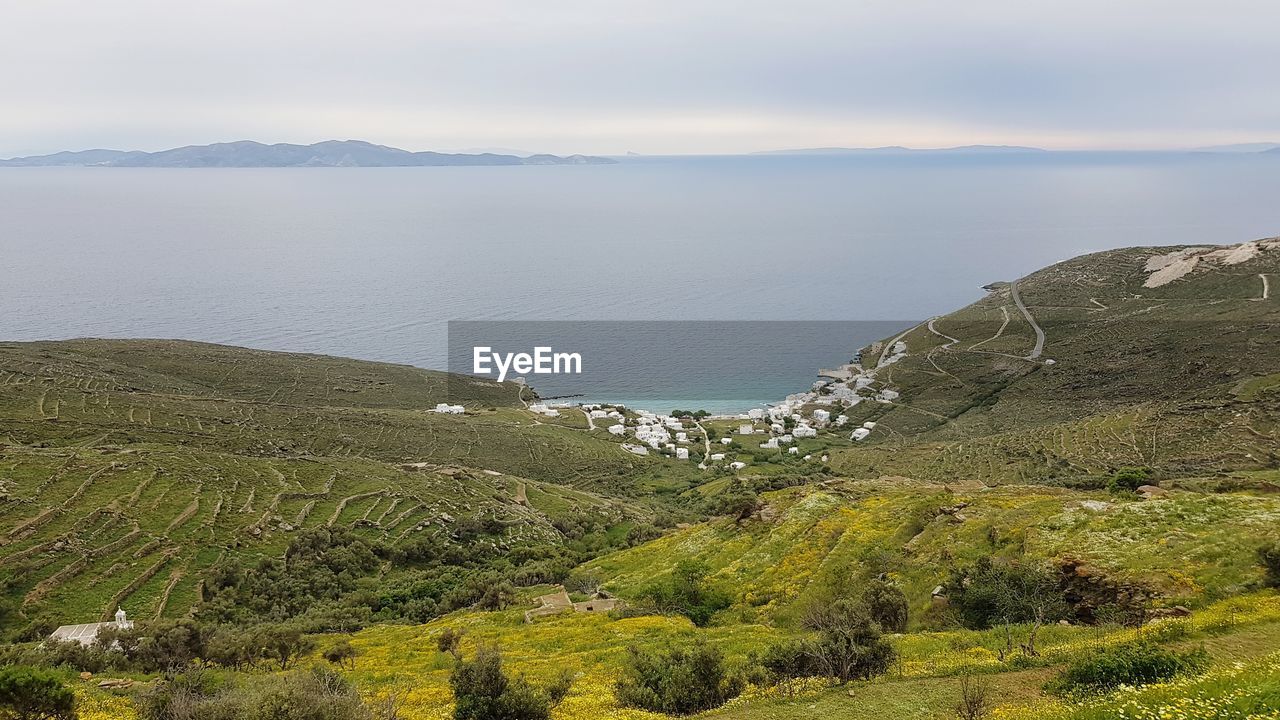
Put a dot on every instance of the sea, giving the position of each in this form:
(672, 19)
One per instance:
(374, 263)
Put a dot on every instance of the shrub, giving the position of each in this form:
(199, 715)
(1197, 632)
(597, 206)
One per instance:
(283, 644)
(989, 593)
(320, 694)
(1128, 479)
(1269, 556)
(686, 593)
(341, 653)
(317, 694)
(483, 691)
(1137, 663)
(975, 701)
(449, 641)
(848, 645)
(677, 681)
(29, 694)
(641, 533)
(887, 605)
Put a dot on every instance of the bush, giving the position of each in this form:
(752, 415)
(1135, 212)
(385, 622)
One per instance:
(341, 653)
(1128, 479)
(318, 694)
(28, 694)
(1269, 556)
(677, 681)
(686, 593)
(1137, 663)
(847, 645)
(887, 605)
(483, 691)
(990, 593)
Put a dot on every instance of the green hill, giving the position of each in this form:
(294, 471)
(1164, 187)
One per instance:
(129, 468)
(1181, 377)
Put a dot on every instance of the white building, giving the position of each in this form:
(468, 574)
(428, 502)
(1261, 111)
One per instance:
(770, 444)
(682, 437)
(86, 634)
(869, 425)
(717, 456)
(618, 429)
(793, 450)
(785, 439)
(635, 449)
(746, 429)
(737, 465)
(804, 431)
(821, 416)
(860, 434)
(755, 413)
(449, 409)
(682, 453)
(726, 440)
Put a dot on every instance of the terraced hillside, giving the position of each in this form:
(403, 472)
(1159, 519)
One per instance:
(127, 469)
(99, 392)
(1161, 357)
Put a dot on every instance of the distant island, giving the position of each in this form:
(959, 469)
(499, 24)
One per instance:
(900, 150)
(247, 153)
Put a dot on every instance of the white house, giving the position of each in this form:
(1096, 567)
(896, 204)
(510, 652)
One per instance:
(785, 439)
(860, 434)
(841, 420)
(821, 416)
(717, 456)
(86, 634)
(737, 465)
(746, 429)
(755, 413)
(635, 449)
(793, 450)
(869, 425)
(682, 453)
(726, 440)
(770, 444)
(804, 431)
(618, 429)
(682, 437)
(449, 409)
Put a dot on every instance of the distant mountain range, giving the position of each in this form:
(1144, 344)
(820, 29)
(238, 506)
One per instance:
(246, 153)
(900, 150)
(1254, 148)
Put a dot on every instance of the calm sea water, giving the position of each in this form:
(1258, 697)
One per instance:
(371, 263)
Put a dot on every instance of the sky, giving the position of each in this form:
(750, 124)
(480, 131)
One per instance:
(654, 77)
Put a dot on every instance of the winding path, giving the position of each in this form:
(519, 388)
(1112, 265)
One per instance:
(1003, 311)
(1017, 300)
(950, 340)
(1266, 286)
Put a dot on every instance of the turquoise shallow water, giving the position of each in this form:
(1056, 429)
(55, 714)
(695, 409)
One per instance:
(372, 263)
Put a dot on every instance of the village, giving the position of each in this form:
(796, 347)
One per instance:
(733, 442)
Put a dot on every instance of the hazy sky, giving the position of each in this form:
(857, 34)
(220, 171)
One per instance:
(664, 76)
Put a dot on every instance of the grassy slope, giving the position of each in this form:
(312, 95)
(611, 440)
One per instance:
(1187, 548)
(1174, 378)
(128, 467)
